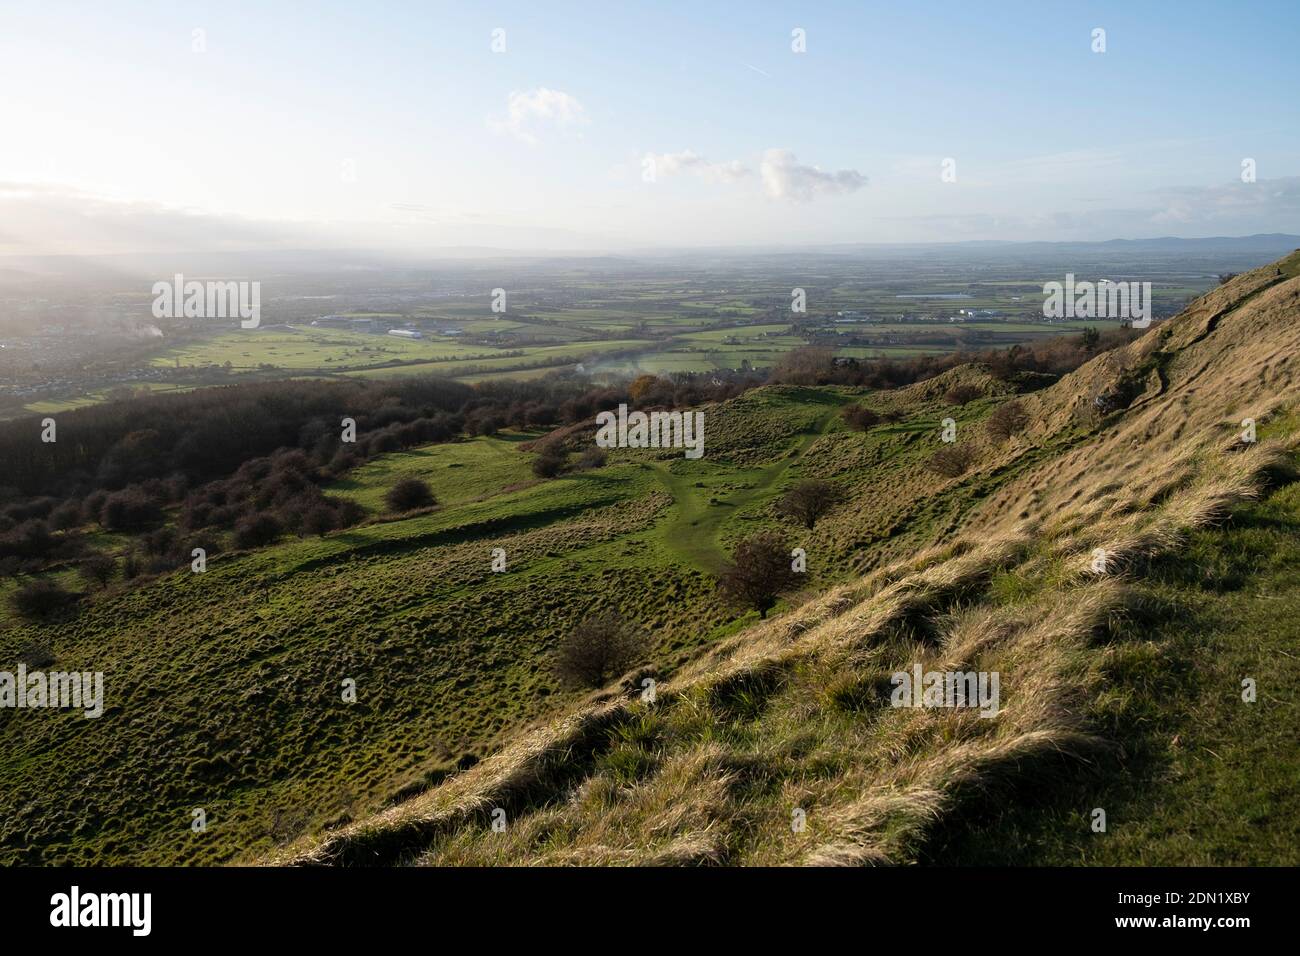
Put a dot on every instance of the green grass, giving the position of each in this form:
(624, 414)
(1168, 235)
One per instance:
(1203, 778)
(704, 506)
(95, 398)
(457, 473)
(307, 348)
(531, 357)
(224, 689)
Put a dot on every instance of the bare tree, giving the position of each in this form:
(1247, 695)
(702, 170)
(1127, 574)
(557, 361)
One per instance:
(1007, 420)
(601, 647)
(98, 569)
(760, 570)
(809, 500)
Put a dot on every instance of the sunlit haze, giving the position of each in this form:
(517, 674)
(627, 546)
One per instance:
(147, 126)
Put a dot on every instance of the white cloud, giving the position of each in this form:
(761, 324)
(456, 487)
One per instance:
(689, 162)
(530, 111)
(1278, 199)
(785, 178)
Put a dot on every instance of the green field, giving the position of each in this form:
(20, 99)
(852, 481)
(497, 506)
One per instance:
(539, 357)
(95, 398)
(306, 348)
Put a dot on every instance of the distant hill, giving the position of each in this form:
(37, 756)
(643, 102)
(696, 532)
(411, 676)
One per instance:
(305, 261)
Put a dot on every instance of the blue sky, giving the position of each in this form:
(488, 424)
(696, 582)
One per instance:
(395, 124)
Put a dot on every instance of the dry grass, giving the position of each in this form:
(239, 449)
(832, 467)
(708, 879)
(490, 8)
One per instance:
(792, 715)
(713, 770)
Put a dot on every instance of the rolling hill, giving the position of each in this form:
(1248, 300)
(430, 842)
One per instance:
(777, 745)
(224, 689)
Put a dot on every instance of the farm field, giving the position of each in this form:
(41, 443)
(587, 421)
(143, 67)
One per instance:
(303, 348)
(94, 398)
(534, 357)
(662, 316)
(328, 351)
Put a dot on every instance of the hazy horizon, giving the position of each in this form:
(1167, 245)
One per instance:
(179, 127)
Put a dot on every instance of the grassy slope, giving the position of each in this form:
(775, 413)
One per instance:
(1203, 778)
(224, 689)
(792, 713)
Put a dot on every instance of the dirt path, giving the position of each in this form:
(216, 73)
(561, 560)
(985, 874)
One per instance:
(692, 530)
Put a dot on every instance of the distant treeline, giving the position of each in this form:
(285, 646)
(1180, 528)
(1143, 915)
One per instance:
(819, 366)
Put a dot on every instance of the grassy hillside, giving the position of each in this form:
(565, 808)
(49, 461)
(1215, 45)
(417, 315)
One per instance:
(225, 689)
(1203, 778)
(778, 744)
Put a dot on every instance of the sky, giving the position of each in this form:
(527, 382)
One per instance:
(134, 126)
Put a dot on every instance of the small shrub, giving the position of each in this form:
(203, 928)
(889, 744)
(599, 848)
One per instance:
(31, 539)
(962, 394)
(408, 494)
(319, 520)
(65, 516)
(256, 530)
(859, 417)
(951, 461)
(41, 599)
(129, 510)
(549, 463)
(1007, 420)
(346, 511)
(600, 648)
